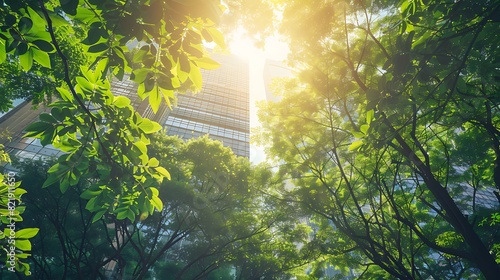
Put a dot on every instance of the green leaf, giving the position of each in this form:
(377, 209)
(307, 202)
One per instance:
(47, 118)
(56, 167)
(85, 15)
(88, 194)
(121, 101)
(364, 128)
(139, 75)
(131, 215)
(153, 162)
(423, 38)
(148, 126)
(37, 128)
(25, 25)
(207, 63)
(10, 19)
(206, 36)
(85, 84)
(25, 267)
(91, 204)
(52, 179)
(357, 134)
(41, 57)
(98, 215)
(98, 48)
(163, 172)
(168, 94)
(21, 49)
(369, 116)
(355, 145)
(39, 24)
(57, 113)
(184, 63)
(120, 53)
(57, 20)
(26, 60)
(154, 191)
(195, 77)
(155, 99)
(141, 146)
(122, 214)
(65, 94)
(69, 7)
(24, 245)
(217, 37)
(64, 185)
(26, 233)
(101, 68)
(93, 36)
(47, 137)
(157, 203)
(23, 256)
(3, 54)
(44, 45)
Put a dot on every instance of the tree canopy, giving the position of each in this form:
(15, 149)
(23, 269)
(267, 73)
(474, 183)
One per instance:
(390, 130)
(213, 220)
(384, 141)
(71, 50)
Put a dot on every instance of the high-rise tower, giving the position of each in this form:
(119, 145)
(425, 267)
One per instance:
(220, 109)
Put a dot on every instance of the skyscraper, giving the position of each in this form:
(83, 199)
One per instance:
(15, 121)
(220, 109)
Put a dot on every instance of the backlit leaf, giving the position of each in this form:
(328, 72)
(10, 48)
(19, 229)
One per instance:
(26, 233)
(157, 203)
(149, 126)
(26, 60)
(65, 94)
(207, 63)
(355, 145)
(163, 172)
(217, 37)
(195, 77)
(41, 57)
(121, 101)
(24, 245)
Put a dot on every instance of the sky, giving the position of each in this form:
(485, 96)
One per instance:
(275, 50)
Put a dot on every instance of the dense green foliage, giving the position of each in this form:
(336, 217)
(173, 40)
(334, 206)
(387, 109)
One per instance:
(390, 130)
(14, 240)
(214, 220)
(40, 83)
(388, 133)
(77, 47)
(105, 139)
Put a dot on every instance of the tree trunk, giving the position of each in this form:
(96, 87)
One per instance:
(480, 254)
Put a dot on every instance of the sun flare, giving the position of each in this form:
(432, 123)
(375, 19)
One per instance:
(242, 45)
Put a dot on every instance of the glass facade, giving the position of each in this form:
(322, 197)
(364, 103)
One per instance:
(220, 109)
(16, 121)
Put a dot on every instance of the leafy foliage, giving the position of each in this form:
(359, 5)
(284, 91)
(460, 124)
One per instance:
(213, 218)
(103, 136)
(40, 83)
(15, 242)
(380, 132)
(77, 47)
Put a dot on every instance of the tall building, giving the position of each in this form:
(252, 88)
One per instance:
(17, 119)
(220, 109)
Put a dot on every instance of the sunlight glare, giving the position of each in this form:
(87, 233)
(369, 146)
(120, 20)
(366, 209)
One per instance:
(243, 46)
